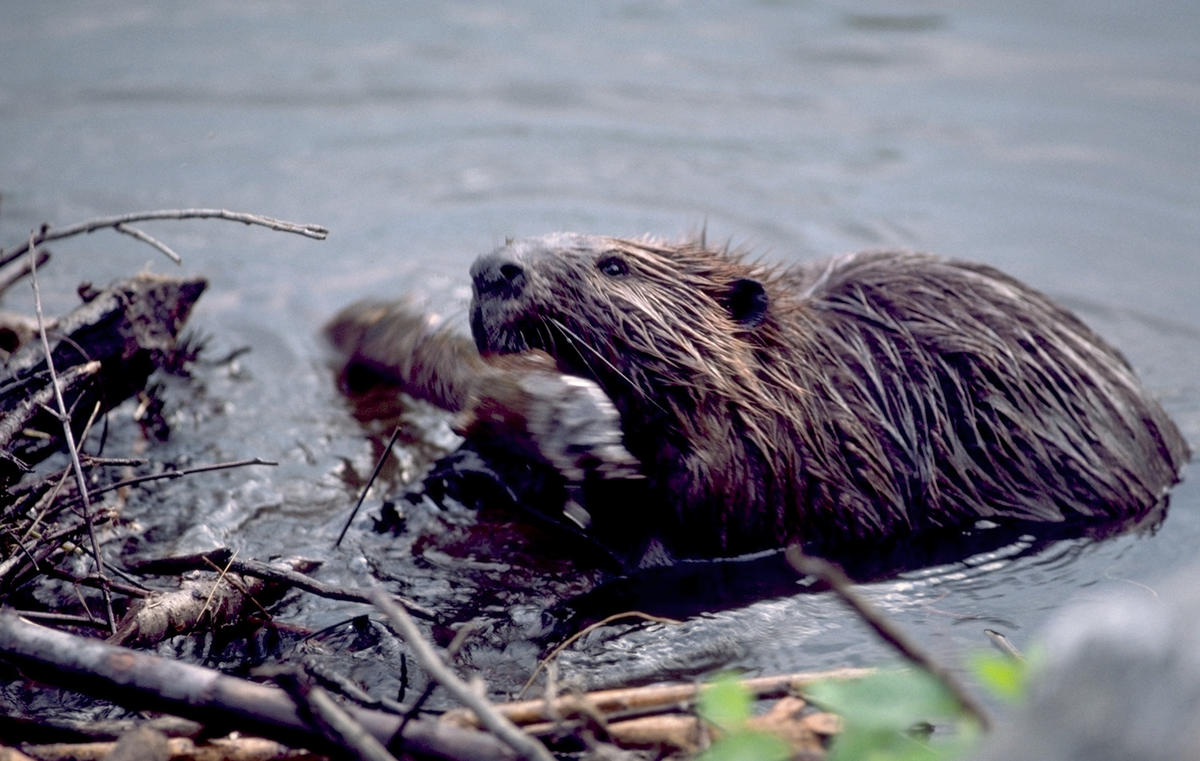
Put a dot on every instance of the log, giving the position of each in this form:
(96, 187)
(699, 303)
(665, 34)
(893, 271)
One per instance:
(222, 702)
(129, 328)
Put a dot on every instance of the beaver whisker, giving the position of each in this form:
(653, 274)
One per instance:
(577, 342)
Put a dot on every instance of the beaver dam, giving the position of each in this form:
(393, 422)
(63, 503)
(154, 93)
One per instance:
(552, 554)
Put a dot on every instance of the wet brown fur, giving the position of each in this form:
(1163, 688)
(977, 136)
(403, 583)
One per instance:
(867, 397)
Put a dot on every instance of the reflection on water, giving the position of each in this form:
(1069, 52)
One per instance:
(1057, 142)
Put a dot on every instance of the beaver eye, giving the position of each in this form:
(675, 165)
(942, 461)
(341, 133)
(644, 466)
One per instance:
(613, 266)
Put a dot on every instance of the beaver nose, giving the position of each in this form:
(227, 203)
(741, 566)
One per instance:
(498, 275)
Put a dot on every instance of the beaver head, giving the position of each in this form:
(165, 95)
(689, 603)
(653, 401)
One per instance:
(635, 316)
(672, 333)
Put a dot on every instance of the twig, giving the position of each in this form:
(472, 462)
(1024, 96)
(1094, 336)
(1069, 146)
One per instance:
(336, 724)
(525, 746)
(7, 279)
(843, 587)
(170, 474)
(267, 571)
(363, 495)
(583, 632)
(137, 234)
(316, 232)
(60, 618)
(460, 638)
(69, 436)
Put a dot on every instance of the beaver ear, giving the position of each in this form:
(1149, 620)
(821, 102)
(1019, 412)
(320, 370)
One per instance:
(747, 302)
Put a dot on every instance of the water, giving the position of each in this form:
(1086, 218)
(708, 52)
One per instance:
(1060, 143)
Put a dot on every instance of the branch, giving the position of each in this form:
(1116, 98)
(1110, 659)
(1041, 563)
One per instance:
(843, 587)
(223, 557)
(316, 232)
(526, 746)
(69, 435)
(137, 234)
(655, 698)
(134, 678)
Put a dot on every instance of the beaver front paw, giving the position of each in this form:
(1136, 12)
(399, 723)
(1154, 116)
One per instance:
(563, 420)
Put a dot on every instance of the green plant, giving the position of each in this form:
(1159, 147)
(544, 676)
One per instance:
(882, 714)
(726, 704)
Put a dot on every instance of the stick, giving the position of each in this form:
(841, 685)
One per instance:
(374, 474)
(525, 746)
(69, 436)
(137, 234)
(660, 697)
(843, 587)
(171, 474)
(335, 722)
(207, 560)
(583, 633)
(316, 232)
(8, 278)
(162, 684)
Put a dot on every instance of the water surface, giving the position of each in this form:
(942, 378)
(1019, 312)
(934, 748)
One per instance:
(1058, 142)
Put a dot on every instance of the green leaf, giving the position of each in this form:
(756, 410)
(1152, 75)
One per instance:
(888, 700)
(747, 745)
(1005, 676)
(879, 711)
(725, 703)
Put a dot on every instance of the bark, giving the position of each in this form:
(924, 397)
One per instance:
(222, 702)
(129, 328)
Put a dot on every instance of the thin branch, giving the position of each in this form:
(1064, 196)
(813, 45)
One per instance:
(843, 587)
(258, 569)
(583, 633)
(524, 745)
(137, 234)
(69, 435)
(8, 278)
(316, 232)
(172, 474)
(333, 721)
(626, 702)
(374, 474)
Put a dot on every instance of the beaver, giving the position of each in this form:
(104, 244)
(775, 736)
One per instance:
(864, 399)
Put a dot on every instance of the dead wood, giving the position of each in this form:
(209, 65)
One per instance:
(128, 328)
(221, 702)
(655, 698)
(293, 576)
(662, 716)
(121, 223)
(523, 401)
(202, 601)
(15, 271)
(177, 749)
(472, 696)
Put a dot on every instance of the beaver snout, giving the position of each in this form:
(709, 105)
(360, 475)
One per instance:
(498, 276)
